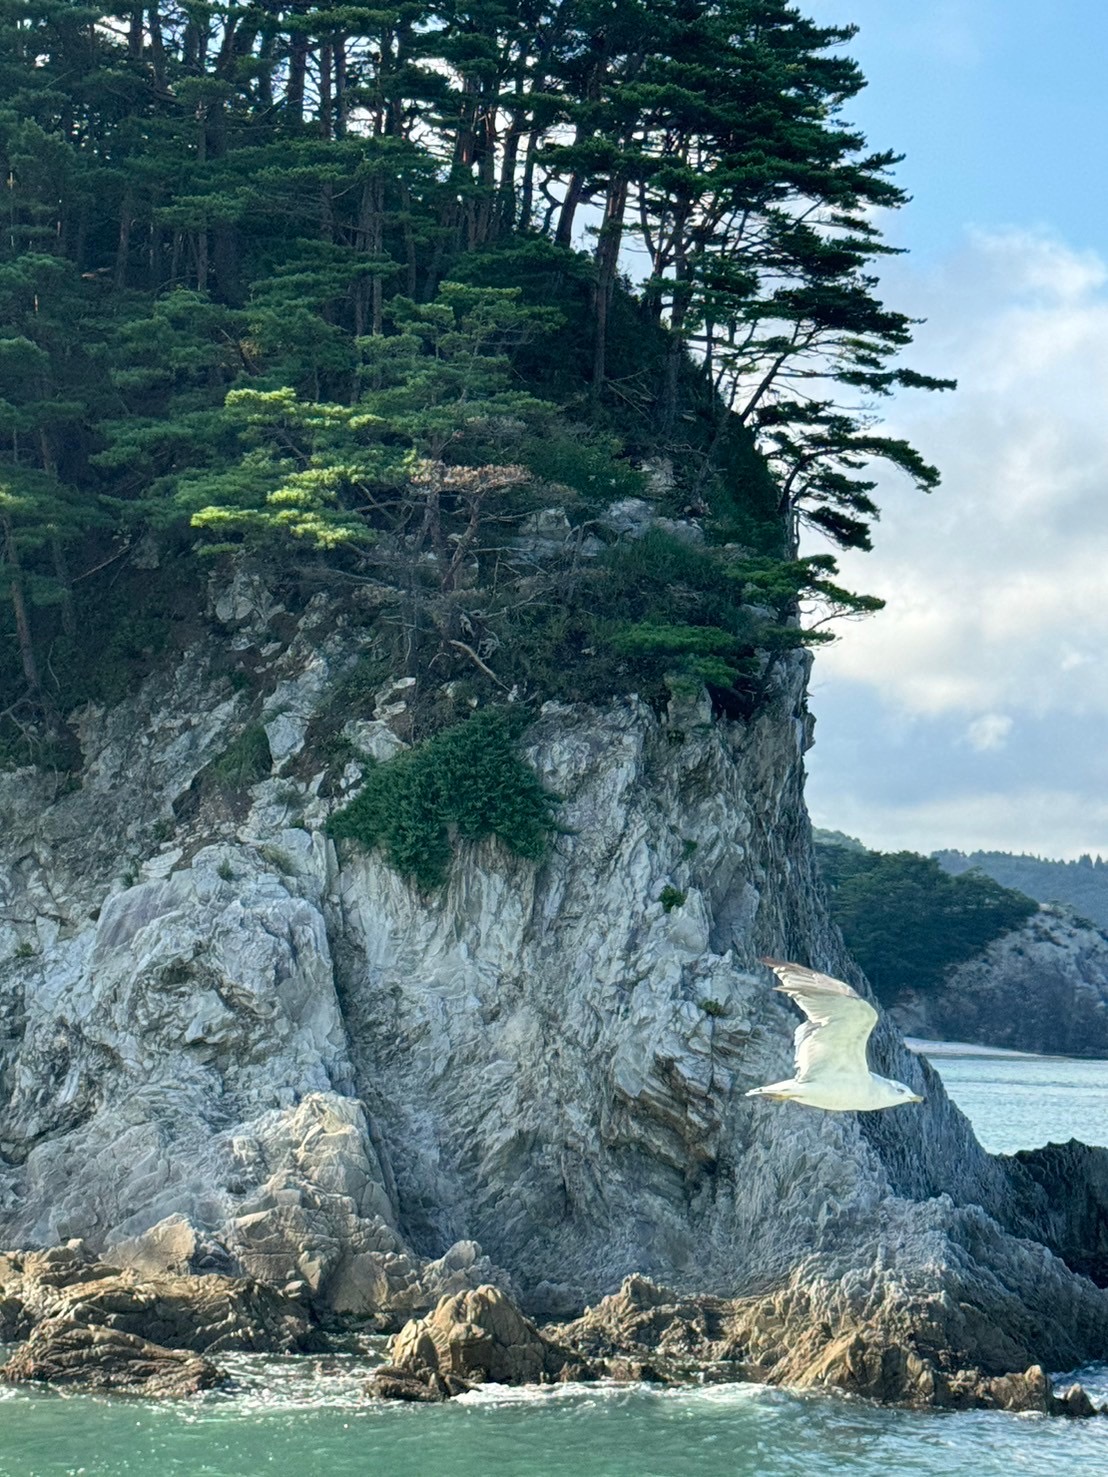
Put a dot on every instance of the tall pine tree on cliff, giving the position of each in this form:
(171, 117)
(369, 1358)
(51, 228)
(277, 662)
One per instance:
(227, 235)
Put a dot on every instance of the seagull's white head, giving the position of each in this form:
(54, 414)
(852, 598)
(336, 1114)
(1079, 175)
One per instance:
(905, 1094)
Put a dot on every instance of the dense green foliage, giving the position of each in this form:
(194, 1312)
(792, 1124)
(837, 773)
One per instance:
(906, 921)
(468, 780)
(342, 288)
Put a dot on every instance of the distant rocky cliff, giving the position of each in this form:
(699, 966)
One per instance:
(1040, 988)
(226, 1045)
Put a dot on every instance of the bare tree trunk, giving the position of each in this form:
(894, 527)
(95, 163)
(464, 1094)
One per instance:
(202, 267)
(157, 45)
(19, 606)
(677, 315)
(607, 260)
(506, 194)
(298, 69)
(411, 262)
(61, 570)
(202, 232)
(325, 119)
(527, 188)
(575, 193)
(341, 104)
(123, 245)
(266, 68)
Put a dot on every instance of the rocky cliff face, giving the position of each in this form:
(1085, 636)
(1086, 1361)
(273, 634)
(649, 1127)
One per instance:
(1042, 987)
(319, 1077)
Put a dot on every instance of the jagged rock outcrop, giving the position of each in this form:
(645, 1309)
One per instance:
(809, 1334)
(1042, 987)
(229, 1046)
(471, 1338)
(1067, 1192)
(207, 1314)
(95, 1358)
(815, 1334)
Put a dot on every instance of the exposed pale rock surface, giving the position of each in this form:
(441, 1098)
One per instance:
(204, 1313)
(533, 1079)
(476, 1337)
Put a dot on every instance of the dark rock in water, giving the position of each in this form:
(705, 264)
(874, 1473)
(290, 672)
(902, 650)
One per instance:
(471, 1338)
(390, 1382)
(1075, 1402)
(204, 1313)
(1072, 1218)
(62, 1352)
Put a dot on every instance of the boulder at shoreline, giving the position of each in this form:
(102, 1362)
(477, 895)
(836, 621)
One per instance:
(473, 1337)
(62, 1352)
(208, 1313)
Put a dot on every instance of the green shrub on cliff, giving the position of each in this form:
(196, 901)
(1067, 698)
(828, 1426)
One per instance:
(244, 761)
(468, 781)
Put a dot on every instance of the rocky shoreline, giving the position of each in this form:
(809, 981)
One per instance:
(1041, 988)
(84, 1324)
(647, 1333)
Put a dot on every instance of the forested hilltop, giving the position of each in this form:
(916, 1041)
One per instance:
(906, 921)
(955, 955)
(1082, 884)
(345, 288)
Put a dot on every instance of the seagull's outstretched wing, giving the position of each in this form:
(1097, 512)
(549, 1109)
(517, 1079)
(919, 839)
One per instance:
(833, 1038)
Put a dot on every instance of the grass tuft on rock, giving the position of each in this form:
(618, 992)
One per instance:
(469, 781)
(244, 761)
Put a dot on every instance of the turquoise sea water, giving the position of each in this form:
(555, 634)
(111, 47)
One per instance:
(307, 1416)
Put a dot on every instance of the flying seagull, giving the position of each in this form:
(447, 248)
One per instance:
(831, 1067)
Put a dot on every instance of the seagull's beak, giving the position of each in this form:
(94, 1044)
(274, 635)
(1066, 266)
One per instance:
(915, 1098)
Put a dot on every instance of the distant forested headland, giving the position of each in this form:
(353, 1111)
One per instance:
(1081, 884)
(399, 298)
(907, 921)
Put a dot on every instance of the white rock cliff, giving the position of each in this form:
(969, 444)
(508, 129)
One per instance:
(321, 1077)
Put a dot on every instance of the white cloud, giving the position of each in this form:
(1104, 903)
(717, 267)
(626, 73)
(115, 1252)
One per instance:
(995, 586)
(990, 653)
(990, 731)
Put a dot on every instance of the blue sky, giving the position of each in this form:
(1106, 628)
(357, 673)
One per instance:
(971, 711)
(999, 106)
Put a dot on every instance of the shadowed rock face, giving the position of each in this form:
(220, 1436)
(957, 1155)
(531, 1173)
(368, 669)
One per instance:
(1041, 988)
(60, 1352)
(1072, 1179)
(268, 1058)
